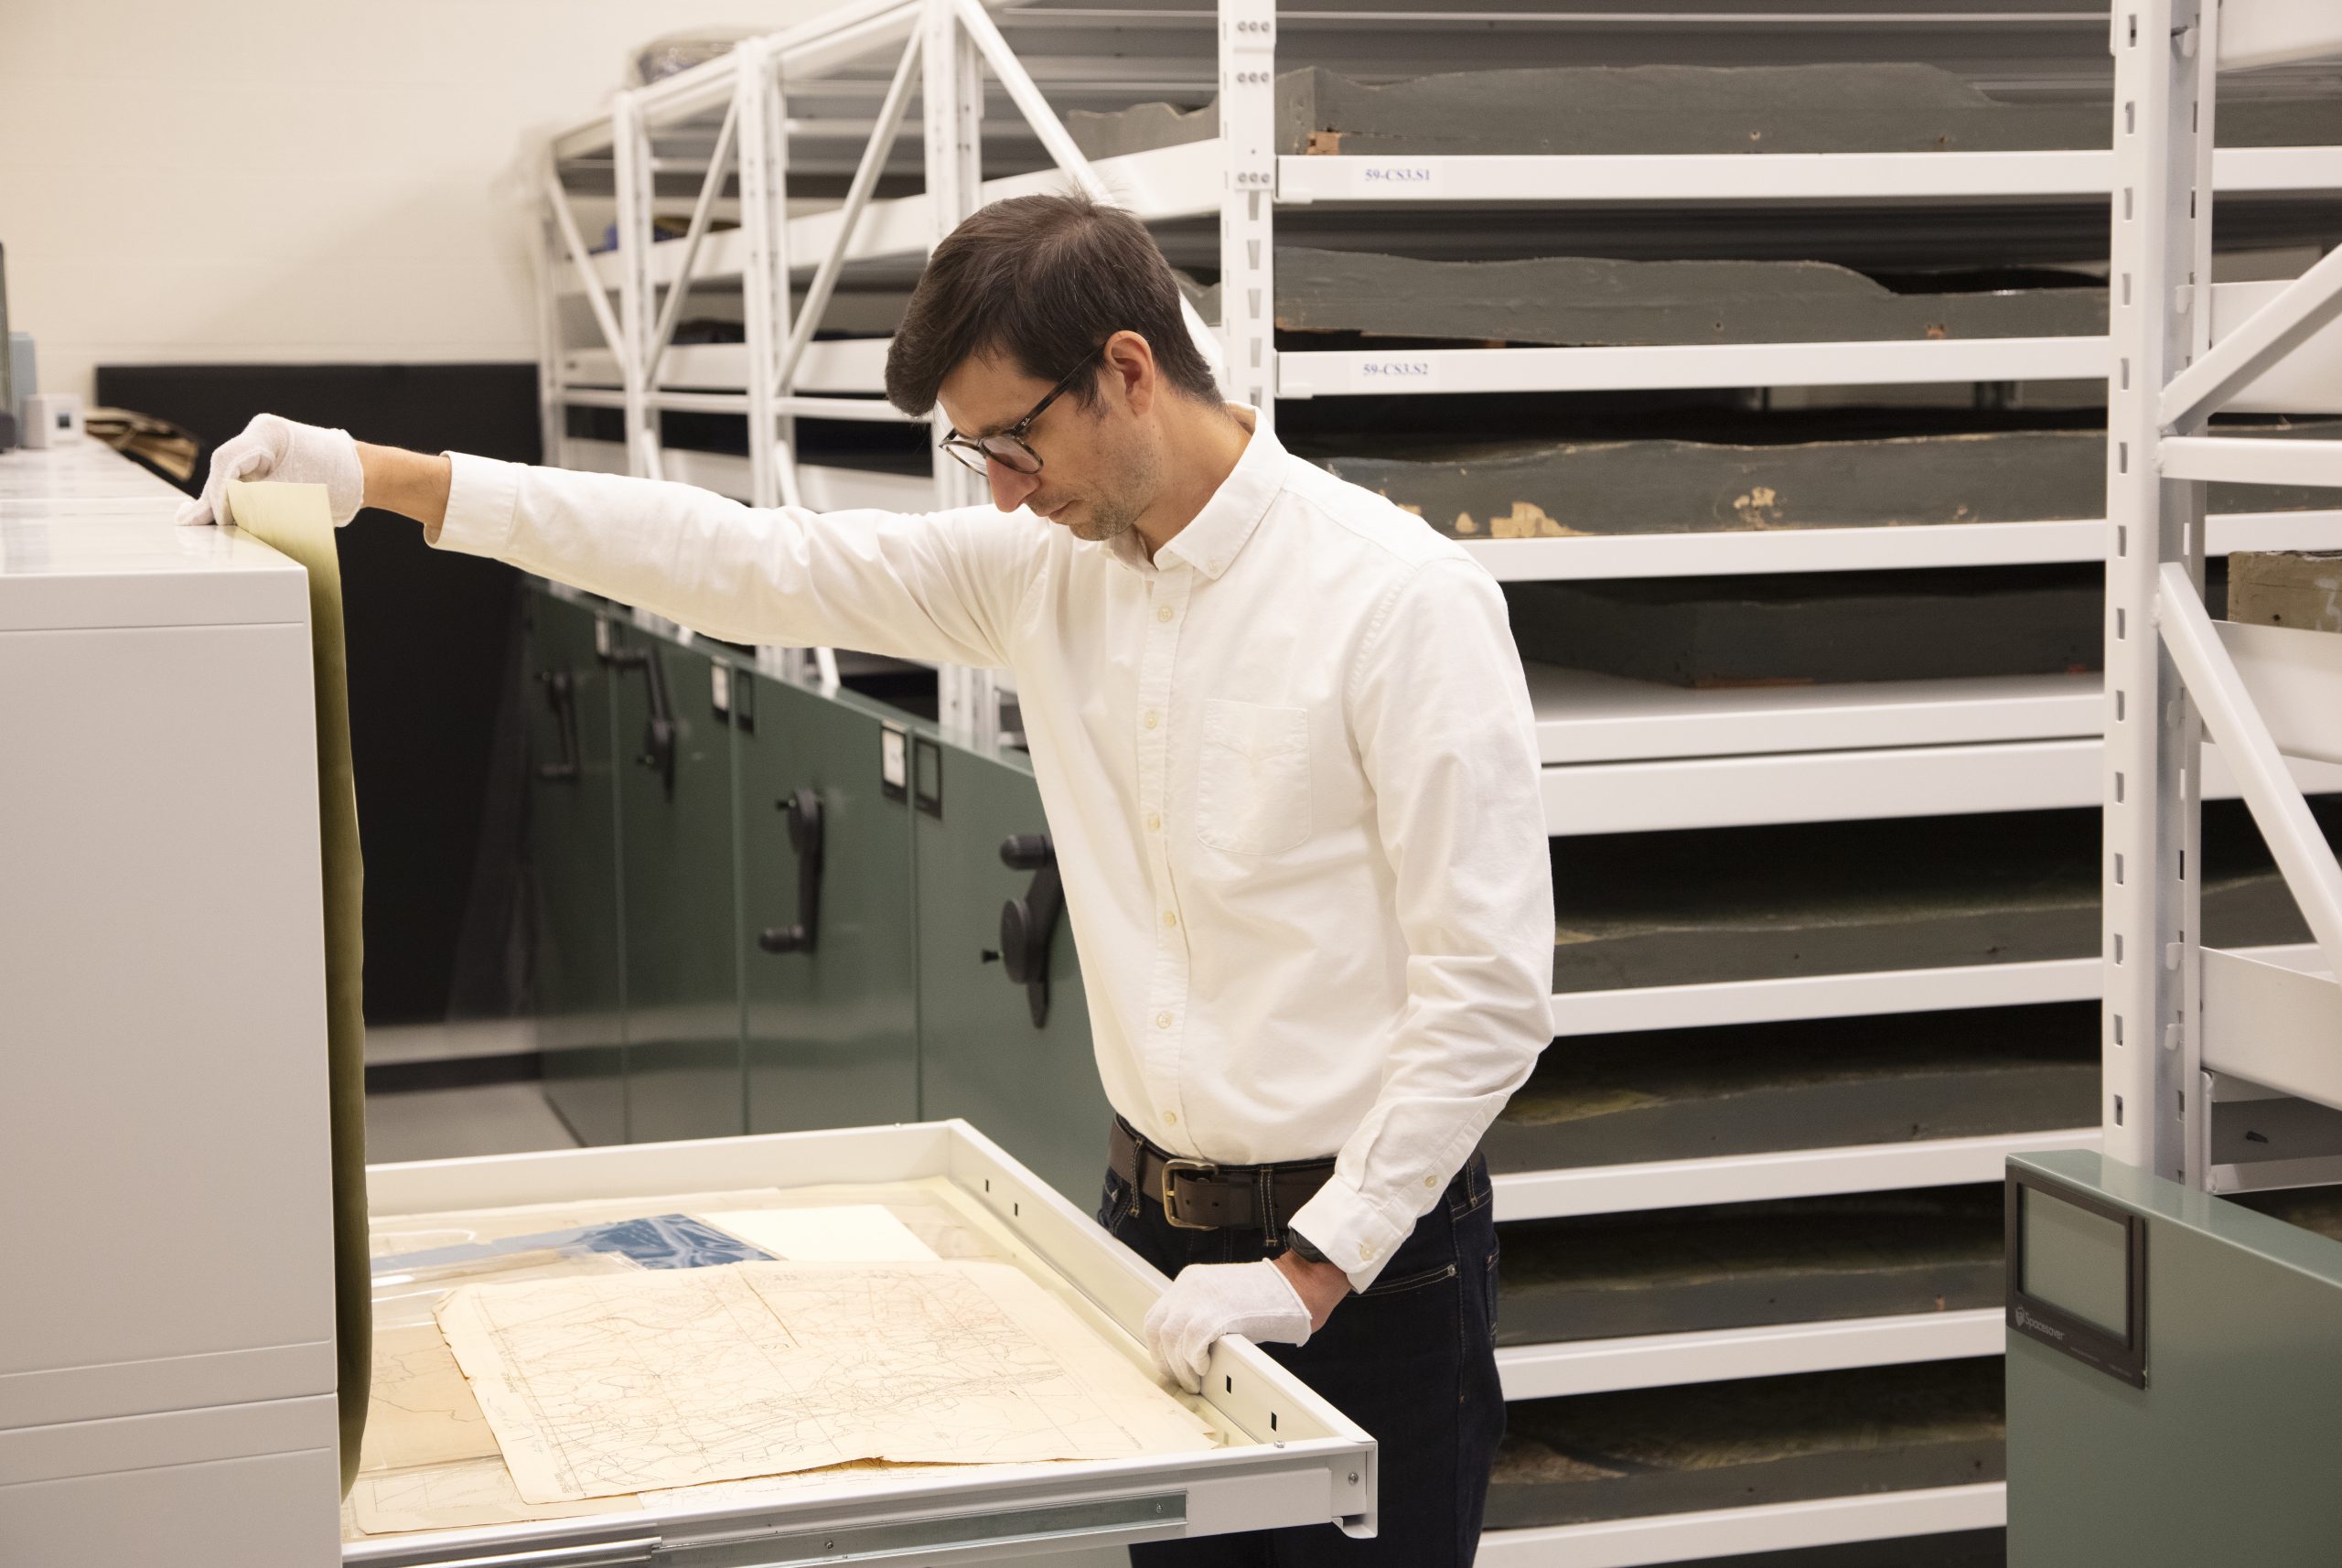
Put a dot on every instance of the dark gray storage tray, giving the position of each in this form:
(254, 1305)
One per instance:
(1578, 301)
(1536, 489)
(1748, 1443)
(1744, 1089)
(1844, 107)
(1827, 628)
(1740, 1265)
(1727, 903)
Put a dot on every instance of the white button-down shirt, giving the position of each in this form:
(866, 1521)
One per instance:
(1289, 765)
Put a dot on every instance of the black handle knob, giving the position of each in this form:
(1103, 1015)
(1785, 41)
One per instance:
(1027, 852)
(658, 752)
(1029, 924)
(561, 696)
(804, 809)
(1016, 942)
(785, 939)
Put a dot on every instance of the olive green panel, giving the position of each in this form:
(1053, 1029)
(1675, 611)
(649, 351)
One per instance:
(832, 1035)
(2228, 1454)
(1033, 1091)
(681, 915)
(573, 861)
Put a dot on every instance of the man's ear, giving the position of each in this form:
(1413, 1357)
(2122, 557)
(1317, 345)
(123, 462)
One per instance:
(1129, 362)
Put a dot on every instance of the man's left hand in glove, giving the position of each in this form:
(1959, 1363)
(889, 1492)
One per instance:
(1281, 1300)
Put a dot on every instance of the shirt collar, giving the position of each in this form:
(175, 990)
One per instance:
(1209, 543)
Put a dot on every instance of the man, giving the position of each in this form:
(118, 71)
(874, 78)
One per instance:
(1285, 749)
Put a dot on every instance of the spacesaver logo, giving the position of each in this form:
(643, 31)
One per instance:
(2032, 1324)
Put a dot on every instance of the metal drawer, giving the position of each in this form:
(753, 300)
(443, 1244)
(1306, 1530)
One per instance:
(1291, 1458)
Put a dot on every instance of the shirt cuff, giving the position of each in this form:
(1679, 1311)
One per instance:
(1355, 1236)
(483, 504)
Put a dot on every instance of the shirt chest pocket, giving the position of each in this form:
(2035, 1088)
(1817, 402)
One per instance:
(1252, 778)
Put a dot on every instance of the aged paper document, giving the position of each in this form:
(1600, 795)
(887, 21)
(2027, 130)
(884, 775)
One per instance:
(622, 1384)
(459, 1495)
(853, 1233)
(295, 520)
(422, 1412)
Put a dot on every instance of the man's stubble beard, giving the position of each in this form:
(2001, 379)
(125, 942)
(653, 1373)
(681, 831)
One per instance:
(1116, 514)
(1110, 520)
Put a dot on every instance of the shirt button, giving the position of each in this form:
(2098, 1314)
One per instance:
(1365, 1252)
(1163, 1020)
(1170, 1118)
(1155, 822)
(1163, 613)
(1152, 718)
(1169, 918)
(1430, 1181)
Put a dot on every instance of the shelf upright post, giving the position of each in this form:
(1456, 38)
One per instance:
(764, 271)
(2159, 305)
(762, 116)
(630, 163)
(552, 389)
(1248, 123)
(952, 98)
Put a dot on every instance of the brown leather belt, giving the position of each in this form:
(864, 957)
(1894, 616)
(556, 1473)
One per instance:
(1196, 1195)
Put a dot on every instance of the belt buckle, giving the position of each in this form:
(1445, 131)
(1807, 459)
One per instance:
(1171, 1167)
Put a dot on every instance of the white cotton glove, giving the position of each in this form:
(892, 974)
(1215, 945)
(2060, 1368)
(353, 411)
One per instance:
(273, 447)
(1208, 1300)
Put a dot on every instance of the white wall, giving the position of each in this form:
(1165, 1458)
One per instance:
(292, 181)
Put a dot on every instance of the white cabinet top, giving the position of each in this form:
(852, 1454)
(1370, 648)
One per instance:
(86, 540)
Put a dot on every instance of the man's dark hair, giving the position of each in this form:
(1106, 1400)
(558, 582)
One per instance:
(1042, 280)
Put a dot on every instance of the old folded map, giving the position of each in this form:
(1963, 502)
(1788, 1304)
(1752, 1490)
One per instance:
(612, 1384)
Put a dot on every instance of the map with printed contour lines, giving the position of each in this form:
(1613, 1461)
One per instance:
(610, 1384)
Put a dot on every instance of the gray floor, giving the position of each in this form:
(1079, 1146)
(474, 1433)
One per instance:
(440, 1042)
(448, 1123)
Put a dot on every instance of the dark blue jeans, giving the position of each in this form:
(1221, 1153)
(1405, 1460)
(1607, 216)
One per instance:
(1412, 1360)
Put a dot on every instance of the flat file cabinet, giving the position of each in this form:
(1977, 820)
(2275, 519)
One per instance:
(678, 878)
(987, 1053)
(573, 861)
(827, 944)
(748, 920)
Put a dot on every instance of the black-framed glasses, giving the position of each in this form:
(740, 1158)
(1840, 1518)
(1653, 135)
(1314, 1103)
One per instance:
(1008, 448)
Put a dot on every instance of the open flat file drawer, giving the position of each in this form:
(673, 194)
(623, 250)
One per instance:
(1285, 1457)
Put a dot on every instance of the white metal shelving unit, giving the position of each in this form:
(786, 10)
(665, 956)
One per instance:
(1238, 176)
(2189, 1028)
(939, 52)
(1618, 756)
(1661, 1360)
(1869, 993)
(1734, 1532)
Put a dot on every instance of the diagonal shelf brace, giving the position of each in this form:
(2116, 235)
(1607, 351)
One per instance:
(1022, 92)
(1058, 144)
(2218, 691)
(858, 201)
(2308, 305)
(595, 296)
(664, 333)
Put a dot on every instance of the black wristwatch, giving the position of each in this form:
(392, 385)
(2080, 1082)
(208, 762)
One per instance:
(1306, 1247)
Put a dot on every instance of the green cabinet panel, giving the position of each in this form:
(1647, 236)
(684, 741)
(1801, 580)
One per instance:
(832, 1033)
(672, 1005)
(574, 871)
(1033, 1091)
(679, 909)
(2227, 1453)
